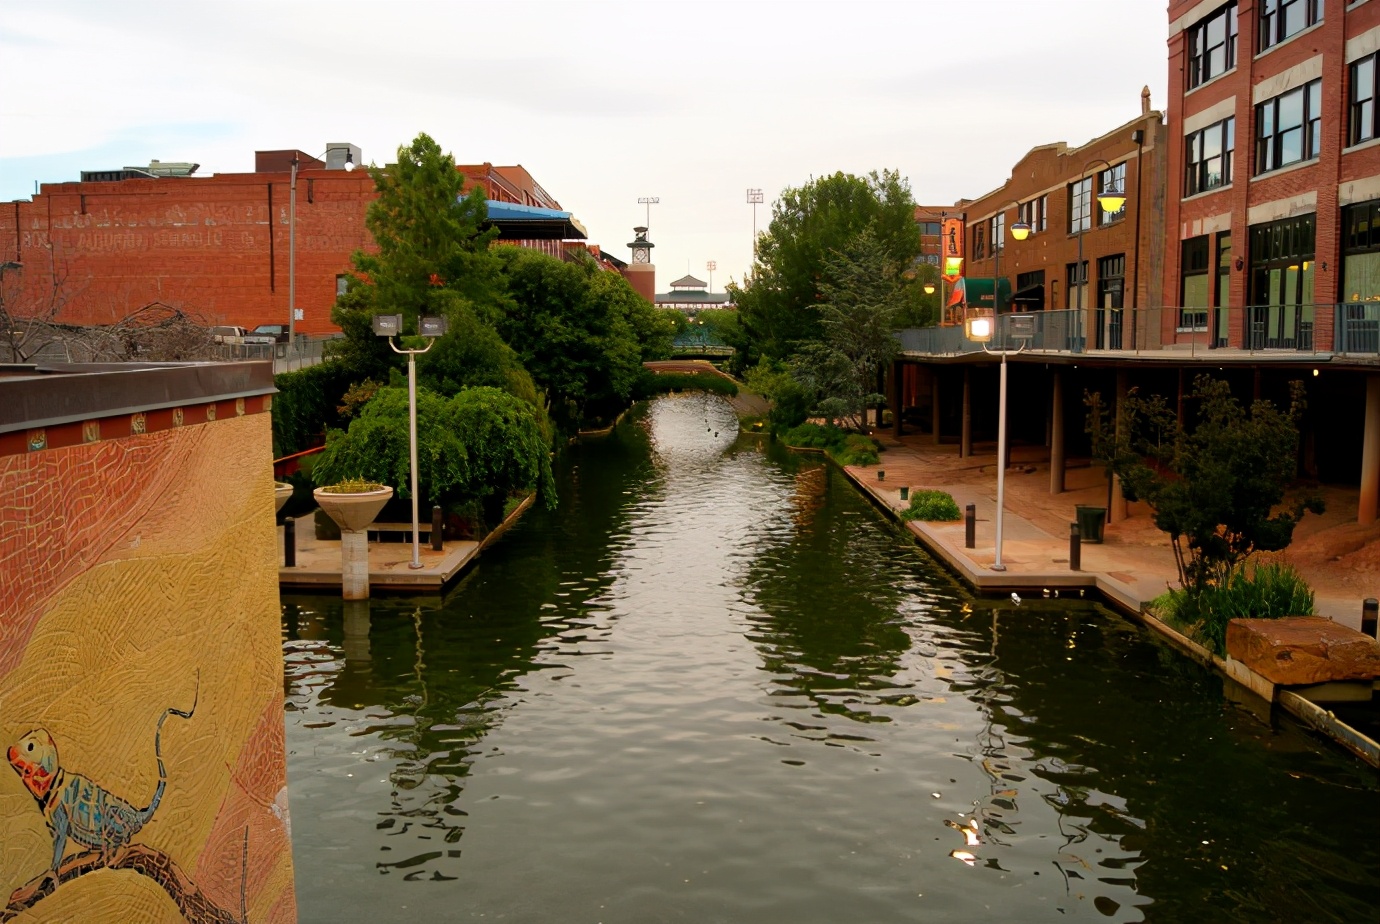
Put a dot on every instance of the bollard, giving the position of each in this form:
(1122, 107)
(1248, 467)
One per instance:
(436, 528)
(1370, 609)
(905, 493)
(970, 527)
(1075, 548)
(289, 543)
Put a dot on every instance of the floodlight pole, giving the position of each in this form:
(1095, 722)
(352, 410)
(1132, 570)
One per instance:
(1001, 450)
(412, 442)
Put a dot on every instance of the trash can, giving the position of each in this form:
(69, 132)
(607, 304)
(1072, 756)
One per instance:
(1090, 522)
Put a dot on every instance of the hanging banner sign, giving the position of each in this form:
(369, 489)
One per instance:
(951, 247)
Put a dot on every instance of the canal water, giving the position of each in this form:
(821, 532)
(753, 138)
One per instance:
(716, 685)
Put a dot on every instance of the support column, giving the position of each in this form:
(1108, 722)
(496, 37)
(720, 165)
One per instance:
(934, 404)
(1056, 434)
(898, 390)
(1370, 454)
(965, 441)
(1117, 506)
(354, 564)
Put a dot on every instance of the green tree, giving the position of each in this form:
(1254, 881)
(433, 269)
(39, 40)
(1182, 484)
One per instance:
(432, 250)
(572, 332)
(780, 305)
(1217, 488)
(864, 291)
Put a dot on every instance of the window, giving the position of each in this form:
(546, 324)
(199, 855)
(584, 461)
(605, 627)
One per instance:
(1361, 253)
(998, 231)
(1361, 119)
(1193, 267)
(1280, 307)
(928, 227)
(1034, 213)
(1288, 128)
(1212, 46)
(1280, 19)
(1209, 157)
(979, 241)
(1080, 197)
(1223, 287)
(1074, 292)
(1030, 294)
(342, 284)
(1112, 181)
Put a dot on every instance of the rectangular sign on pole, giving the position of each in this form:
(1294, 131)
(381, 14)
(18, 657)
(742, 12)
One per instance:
(951, 248)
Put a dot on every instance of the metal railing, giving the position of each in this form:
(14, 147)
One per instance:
(305, 351)
(1349, 329)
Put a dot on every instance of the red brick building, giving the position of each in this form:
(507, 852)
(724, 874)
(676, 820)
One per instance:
(1274, 174)
(216, 247)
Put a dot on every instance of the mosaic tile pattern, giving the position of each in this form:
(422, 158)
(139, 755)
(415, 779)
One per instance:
(139, 574)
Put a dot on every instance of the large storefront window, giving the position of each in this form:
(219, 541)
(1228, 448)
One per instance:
(1111, 291)
(1359, 327)
(1223, 287)
(1194, 269)
(1280, 315)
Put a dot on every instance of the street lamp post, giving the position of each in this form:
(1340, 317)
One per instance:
(292, 242)
(754, 198)
(390, 326)
(1110, 200)
(977, 330)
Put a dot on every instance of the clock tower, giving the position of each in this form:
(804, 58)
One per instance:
(640, 272)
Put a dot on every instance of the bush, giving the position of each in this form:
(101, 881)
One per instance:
(844, 448)
(857, 450)
(931, 505)
(1271, 590)
(307, 405)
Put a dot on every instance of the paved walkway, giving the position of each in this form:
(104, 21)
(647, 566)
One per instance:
(1133, 566)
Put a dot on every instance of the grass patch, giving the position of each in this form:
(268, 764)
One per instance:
(1271, 590)
(844, 448)
(932, 506)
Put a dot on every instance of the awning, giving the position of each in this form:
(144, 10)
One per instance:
(530, 223)
(1035, 294)
(978, 292)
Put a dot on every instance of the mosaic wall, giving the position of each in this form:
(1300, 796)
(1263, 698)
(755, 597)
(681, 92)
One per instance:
(141, 692)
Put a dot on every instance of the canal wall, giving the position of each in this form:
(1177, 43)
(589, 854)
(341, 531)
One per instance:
(141, 680)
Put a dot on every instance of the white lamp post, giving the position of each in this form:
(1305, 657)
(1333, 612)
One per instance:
(292, 241)
(390, 326)
(754, 198)
(980, 329)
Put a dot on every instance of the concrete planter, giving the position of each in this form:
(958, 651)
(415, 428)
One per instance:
(281, 492)
(352, 512)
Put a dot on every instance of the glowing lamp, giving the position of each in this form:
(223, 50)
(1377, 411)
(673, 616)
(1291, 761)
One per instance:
(929, 288)
(1020, 230)
(978, 328)
(1111, 201)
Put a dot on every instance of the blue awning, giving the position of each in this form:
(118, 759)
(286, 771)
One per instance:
(528, 222)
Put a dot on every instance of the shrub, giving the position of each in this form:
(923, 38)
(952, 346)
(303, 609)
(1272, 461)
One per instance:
(652, 383)
(844, 448)
(857, 450)
(1271, 590)
(307, 405)
(931, 505)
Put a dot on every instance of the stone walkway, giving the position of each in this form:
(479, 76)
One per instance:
(1131, 567)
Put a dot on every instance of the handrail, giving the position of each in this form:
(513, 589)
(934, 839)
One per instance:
(1346, 329)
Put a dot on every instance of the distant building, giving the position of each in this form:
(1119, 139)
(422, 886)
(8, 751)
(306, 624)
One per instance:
(218, 247)
(690, 295)
(927, 221)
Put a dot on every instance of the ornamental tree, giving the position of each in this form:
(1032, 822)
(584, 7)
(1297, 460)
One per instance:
(1218, 488)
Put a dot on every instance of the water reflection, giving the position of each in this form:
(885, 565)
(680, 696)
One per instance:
(715, 685)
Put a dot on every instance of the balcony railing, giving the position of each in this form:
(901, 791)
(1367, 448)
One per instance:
(1349, 329)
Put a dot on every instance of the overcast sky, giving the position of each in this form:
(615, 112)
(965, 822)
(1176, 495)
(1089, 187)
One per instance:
(603, 102)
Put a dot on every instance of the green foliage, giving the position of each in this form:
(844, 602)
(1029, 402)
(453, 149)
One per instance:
(306, 405)
(1270, 590)
(1215, 488)
(575, 337)
(353, 486)
(478, 444)
(780, 306)
(651, 327)
(844, 448)
(654, 383)
(790, 401)
(931, 505)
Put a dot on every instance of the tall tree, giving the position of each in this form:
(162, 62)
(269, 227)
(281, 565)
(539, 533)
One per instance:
(780, 304)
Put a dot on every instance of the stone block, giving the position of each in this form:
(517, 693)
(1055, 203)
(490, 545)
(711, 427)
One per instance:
(1301, 650)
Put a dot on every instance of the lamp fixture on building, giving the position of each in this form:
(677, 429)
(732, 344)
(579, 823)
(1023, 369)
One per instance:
(347, 166)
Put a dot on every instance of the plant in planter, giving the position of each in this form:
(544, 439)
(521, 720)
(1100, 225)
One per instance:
(353, 503)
